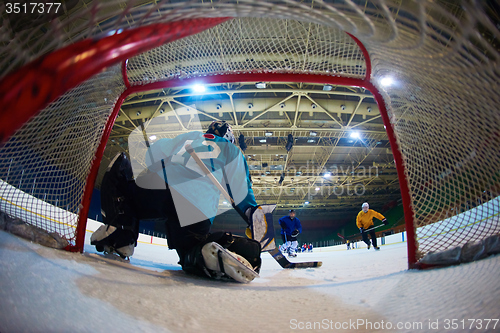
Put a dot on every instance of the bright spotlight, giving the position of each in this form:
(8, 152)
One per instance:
(355, 135)
(327, 175)
(152, 137)
(317, 188)
(199, 88)
(386, 81)
(307, 202)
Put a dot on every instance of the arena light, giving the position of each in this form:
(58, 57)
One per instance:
(268, 133)
(306, 203)
(199, 88)
(327, 175)
(386, 81)
(260, 85)
(152, 137)
(112, 32)
(327, 87)
(355, 135)
(263, 141)
(317, 188)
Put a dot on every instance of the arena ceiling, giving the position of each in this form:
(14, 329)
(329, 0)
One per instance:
(340, 155)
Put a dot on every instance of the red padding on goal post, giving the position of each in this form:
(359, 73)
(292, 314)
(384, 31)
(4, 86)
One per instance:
(403, 182)
(398, 158)
(30, 89)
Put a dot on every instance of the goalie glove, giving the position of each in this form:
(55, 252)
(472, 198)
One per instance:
(295, 233)
(384, 221)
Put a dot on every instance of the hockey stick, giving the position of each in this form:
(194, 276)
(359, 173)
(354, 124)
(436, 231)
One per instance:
(367, 230)
(275, 253)
(373, 228)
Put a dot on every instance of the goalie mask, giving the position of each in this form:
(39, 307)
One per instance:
(222, 129)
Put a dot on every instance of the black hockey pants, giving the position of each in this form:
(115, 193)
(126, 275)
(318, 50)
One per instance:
(364, 234)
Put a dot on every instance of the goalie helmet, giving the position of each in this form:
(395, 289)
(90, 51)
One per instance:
(222, 129)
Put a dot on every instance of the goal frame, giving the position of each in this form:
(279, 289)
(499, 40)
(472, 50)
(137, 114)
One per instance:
(78, 62)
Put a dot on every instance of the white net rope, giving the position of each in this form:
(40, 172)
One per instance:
(253, 45)
(445, 113)
(442, 55)
(44, 166)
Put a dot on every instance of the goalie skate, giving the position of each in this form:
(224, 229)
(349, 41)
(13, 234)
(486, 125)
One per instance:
(125, 252)
(222, 261)
(100, 238)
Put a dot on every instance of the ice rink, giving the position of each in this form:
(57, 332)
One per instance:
(46, 290)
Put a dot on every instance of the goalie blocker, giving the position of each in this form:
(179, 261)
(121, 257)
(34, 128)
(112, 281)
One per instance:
(261, 228)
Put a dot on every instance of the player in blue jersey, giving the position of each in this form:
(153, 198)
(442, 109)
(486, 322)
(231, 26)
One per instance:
(174, 189)
(290, 229)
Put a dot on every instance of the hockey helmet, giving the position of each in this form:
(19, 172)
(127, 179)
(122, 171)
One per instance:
(222, 129)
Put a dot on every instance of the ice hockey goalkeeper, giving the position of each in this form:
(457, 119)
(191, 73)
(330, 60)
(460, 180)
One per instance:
(174, 189)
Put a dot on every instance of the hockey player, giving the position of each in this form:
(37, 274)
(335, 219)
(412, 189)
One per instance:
(364, 220)
(290, 229)
(174, 190)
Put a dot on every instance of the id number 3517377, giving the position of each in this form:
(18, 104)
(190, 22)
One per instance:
(32, 7)
(457, 324)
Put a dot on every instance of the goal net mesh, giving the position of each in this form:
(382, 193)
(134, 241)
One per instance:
(443, 104)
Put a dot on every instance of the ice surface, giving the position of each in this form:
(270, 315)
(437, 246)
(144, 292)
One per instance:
(47, 290)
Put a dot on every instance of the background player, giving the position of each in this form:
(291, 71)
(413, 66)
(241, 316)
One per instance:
(364, 220)
(290, 229)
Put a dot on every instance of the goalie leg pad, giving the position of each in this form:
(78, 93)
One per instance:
(117, 194)
(223, 251)
(220, 262)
